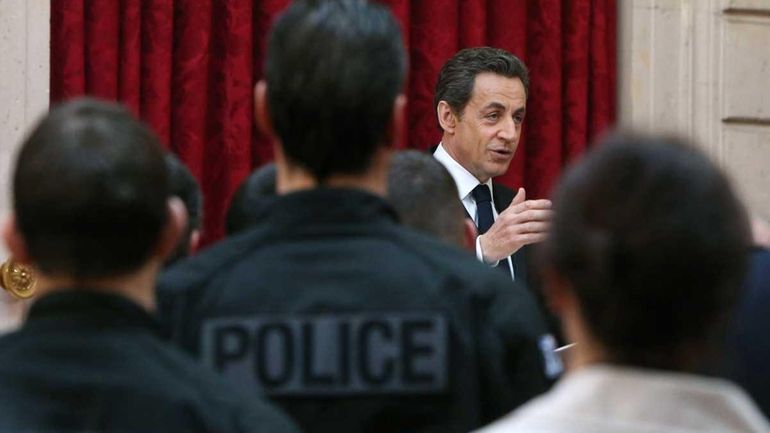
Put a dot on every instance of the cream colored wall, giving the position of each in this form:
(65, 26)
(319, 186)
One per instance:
(702, 68)
(24, 72)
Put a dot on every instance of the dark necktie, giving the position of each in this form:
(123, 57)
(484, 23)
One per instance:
(483, 207)
(484, 210)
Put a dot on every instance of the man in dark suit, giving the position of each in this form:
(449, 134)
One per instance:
(481, 101)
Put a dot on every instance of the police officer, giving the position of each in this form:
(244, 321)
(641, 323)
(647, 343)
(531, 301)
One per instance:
(346, 319)
(93, 219)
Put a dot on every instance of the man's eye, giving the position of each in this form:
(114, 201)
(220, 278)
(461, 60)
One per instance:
(518, 119)
(493, 116)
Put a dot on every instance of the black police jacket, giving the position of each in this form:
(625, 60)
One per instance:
(352, 322)
(93, 362)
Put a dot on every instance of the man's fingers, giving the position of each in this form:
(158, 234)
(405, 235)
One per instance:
(525, 216)
(532, 238)
(535, 215)
(534, 227)
(538, 204)
(529, 204)
(521, 197)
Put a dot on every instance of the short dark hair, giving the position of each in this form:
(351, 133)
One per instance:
(334, 69)
(458, 75)
(653, 241)
(90, 190)
(251, 200)
(425, 196)
(182, 184)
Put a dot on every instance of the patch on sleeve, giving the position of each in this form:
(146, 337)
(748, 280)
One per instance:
(553, 366)
(381, 353)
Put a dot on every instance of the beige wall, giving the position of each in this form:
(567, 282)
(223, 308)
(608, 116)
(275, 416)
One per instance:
(702, 68)
(24, 38)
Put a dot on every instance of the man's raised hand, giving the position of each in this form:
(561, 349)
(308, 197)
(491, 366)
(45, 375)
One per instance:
(524, 222)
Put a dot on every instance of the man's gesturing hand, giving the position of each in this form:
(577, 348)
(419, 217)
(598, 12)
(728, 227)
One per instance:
(524, 222)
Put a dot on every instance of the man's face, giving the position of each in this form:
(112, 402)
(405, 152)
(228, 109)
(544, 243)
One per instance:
(488, 130)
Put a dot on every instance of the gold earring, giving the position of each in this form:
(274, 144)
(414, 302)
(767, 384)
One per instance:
(17, 279)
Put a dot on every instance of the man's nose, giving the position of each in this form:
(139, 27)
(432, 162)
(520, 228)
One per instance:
(508, 130)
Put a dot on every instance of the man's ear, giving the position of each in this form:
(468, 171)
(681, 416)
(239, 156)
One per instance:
(397, 128)
(469, 234)
(261, 110)
(174, 229)
(14, 241)
(195, 241)
(446, 117)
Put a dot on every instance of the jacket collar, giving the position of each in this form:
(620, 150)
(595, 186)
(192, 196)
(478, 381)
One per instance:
(78, 306)
(330, 205)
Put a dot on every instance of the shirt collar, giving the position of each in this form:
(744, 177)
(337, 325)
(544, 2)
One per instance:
(463, 178)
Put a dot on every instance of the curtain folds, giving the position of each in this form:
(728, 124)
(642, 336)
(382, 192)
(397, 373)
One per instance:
(187, 67)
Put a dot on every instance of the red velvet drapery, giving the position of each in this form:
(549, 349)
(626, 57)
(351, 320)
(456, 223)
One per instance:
(187, 67)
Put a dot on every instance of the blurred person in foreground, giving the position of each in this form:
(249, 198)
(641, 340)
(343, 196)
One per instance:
(425, 197)
(646, 255)
(93, 218)
(343, 317)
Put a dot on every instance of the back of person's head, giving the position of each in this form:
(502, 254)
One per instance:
(425, 196)
(334, 70)
(90, 191)
(182, 184)
(250, 202)
(650, 238)
(457, 77)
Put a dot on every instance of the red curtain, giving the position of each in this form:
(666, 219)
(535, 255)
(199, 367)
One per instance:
(187, 67)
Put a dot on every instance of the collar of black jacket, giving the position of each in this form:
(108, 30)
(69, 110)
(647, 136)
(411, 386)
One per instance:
(335, 205)
(83, 307)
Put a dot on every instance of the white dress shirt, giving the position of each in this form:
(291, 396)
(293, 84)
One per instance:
(612, 399)
(465, 182)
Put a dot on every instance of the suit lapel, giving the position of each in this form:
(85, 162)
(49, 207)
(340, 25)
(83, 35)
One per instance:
(502, 197)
